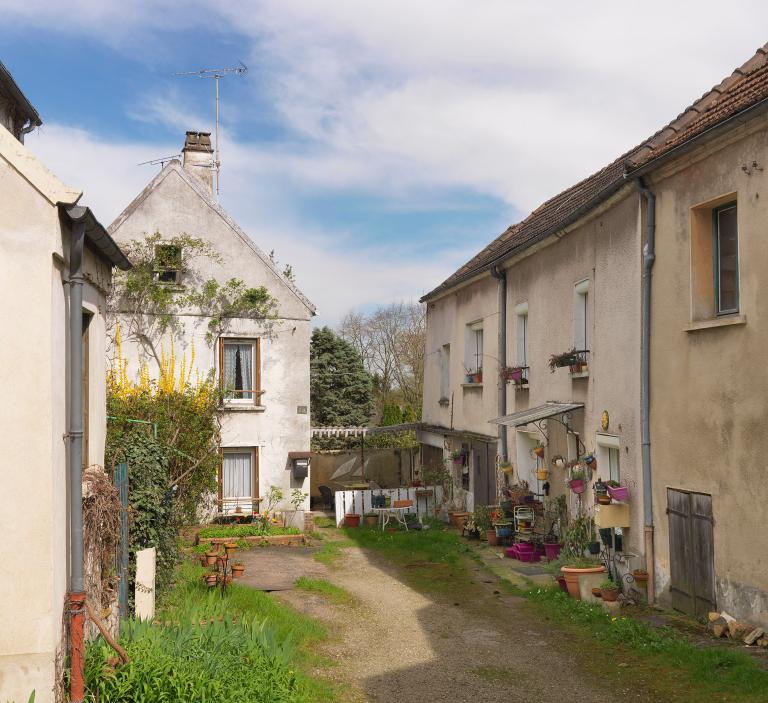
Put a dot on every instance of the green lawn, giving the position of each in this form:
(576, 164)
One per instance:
(244, 646)
(325, 588)
(251, 530)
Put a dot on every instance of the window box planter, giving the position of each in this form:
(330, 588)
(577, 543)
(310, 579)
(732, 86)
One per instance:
(620, 493)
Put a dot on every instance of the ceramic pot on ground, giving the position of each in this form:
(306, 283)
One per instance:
(493, 538)
(552, 550)
(371, 520)
(352, 520)
(575, 577)
(597, 592)
(609, 595)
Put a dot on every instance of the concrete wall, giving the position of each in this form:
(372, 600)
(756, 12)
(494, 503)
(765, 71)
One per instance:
(389, 468)
(281, 422)
(708, 396)
(33, 376)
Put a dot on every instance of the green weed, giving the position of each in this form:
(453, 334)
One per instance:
(252, 530)
(333, 593)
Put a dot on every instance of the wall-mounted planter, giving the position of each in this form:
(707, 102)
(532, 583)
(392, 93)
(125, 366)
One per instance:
(577, 486)
(620, 493)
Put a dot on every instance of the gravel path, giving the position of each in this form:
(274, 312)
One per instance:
(477, 645)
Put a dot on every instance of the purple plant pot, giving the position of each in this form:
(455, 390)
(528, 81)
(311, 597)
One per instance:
(524, 547)
(577, 485)
(621, 493)
(511, 551)
(552, 550)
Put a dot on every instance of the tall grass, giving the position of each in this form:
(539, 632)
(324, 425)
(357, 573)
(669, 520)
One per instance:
(243, 646)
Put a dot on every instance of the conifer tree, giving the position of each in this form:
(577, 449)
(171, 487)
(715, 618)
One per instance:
(341, 389)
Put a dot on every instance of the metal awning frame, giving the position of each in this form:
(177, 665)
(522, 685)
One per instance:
(540, 412)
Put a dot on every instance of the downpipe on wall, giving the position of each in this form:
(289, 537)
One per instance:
(77, 216)
(501, 276)
(649, 256)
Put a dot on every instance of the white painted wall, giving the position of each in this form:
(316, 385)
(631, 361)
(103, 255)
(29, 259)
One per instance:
(33, 379)
(172, 206)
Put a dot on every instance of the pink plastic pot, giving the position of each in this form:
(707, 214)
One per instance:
(621, 493)
(577, 485)
(511, 552)
(552, 550)
(524, 547)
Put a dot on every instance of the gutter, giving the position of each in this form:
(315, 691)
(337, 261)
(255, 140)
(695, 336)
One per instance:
(78, 217)
(649, 256)
(501, 276)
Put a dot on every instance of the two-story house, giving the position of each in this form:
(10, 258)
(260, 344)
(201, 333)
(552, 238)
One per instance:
(262, 364)
(645, 280)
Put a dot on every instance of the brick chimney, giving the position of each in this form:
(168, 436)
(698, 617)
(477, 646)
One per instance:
(198, 159)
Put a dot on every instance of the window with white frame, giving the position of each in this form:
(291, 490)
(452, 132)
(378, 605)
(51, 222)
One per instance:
(521, 311)
(581, 315)
(609, 457)
(445, 372)
(239, 370)
(474, 347)
(238, 478)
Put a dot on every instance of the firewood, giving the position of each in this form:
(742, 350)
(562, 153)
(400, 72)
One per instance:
(762, 642)
(713, 616)
(718, 627)
(737, 630)
(726, 617)
(755, 635)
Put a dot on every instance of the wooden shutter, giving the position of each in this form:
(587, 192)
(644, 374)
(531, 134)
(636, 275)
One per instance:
(257, 372)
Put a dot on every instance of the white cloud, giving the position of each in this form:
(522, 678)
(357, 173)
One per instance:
(404, 99)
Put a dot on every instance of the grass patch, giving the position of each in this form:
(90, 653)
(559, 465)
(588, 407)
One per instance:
(433, 559)
(330, 553)
(244, 645)
(325, 522)
(714, 673)
(325, 588)
(253, 530)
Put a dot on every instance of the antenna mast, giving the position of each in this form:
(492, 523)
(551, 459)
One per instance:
(216, 74)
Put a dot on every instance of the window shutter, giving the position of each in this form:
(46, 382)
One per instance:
(257, 371)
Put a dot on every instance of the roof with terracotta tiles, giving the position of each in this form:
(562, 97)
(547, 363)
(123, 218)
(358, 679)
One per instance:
(745, 88)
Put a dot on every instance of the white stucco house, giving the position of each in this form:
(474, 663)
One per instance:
(56, 263)
(263, 365)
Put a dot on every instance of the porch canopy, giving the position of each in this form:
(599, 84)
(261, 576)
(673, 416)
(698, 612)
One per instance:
(540, 412)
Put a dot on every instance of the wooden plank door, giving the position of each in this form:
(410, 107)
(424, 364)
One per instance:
(481, 474)
(691, 551)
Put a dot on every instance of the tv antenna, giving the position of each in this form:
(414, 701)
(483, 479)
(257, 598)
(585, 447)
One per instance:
(216, 74)
(162, 161)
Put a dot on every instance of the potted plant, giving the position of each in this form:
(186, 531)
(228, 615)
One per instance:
(458, 457)
(371, 519)
(576, 484)
(538, 451)
(568, 358)
(640, 575)
(238, 569)
(211, 580)
(581, 574)
(542, 473)
(477, 376)
(617, 492)
(514, 374)
(597, 592)
(609, 591)
(483, 522)
(210, 558)
(352, 519)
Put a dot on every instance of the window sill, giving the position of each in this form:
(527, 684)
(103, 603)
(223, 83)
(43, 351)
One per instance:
(233, 407)
(725, 321)
(580, 374)
(472, 385)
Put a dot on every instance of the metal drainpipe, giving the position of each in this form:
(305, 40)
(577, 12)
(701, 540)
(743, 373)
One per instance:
(501, 277)
(76, 583)
(649, 256)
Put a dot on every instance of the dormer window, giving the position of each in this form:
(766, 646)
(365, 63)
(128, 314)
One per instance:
(168, 264)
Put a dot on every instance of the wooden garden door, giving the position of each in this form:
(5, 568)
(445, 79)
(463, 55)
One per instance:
(691, 551)
(485, 478)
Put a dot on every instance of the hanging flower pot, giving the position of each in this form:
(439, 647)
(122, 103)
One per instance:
(577, 485)
(539, 451)
(210, 558)
(542, 474)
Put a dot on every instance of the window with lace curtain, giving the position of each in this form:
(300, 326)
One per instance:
(239, 370)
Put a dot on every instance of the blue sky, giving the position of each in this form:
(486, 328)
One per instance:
(374, 146)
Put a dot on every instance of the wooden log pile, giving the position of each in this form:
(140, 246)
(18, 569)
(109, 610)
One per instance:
(724, 625)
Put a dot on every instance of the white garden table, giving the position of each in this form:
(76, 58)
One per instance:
(387, 514)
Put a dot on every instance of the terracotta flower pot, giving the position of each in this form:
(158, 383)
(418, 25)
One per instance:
(457, 518)
(238, 570)
(210, 558)
(597, 593)
(211, 580)
(640, 575)
(493, 538)
(539, 451)
(573, 575)
(352, 520)
(609, 595)
(371, 520)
